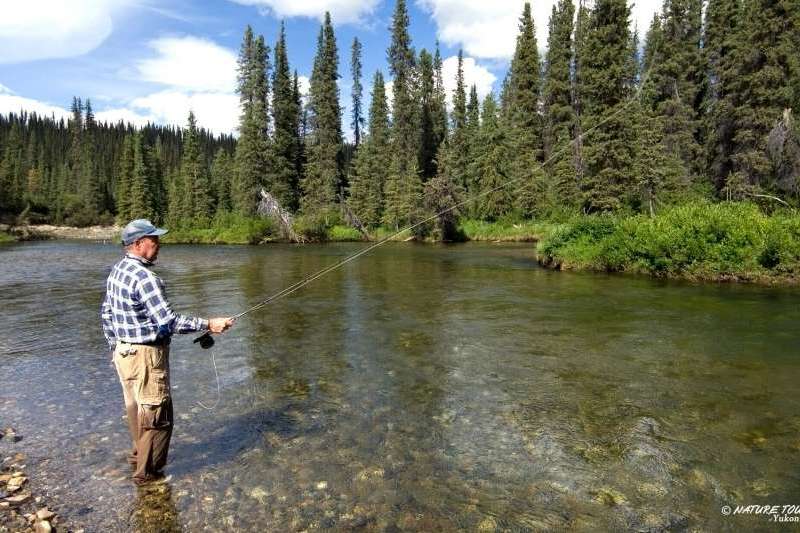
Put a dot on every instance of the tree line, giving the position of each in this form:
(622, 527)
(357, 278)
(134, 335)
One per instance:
(600, 123)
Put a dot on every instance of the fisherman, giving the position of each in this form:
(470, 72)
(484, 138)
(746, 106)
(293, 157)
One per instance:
(138, 323)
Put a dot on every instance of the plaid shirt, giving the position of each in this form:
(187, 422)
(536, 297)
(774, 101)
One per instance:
(135, 308)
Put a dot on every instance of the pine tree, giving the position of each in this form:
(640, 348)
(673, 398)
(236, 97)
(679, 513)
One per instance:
(608, 72)
(458, 159)
(578, 59)
(355, 68)
(439, 104)
(76, 146)
(252, 147)
(323, 170)
(559, 114)
(283, 170)
(370, 168)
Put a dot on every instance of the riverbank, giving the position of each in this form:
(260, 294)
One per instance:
(700, 241)
(46, 231)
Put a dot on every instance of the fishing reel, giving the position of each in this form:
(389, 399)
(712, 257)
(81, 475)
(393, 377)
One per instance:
(206, 340)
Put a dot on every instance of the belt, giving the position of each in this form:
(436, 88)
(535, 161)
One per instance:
(160, 342)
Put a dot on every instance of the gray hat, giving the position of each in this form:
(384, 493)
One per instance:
(137, 229)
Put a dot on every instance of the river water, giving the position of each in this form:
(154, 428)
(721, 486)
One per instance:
(418, 388)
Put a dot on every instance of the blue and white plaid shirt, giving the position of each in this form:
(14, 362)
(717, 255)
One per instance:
(135, 308)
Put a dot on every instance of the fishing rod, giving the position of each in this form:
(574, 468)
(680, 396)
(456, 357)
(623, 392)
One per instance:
(206, 340)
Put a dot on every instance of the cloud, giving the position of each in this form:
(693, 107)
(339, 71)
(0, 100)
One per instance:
(43, 29)
(304, 84)
(218, 112)
(11, 103)
(342, 11)
(488, 30)
(474, 74)
(190, 63)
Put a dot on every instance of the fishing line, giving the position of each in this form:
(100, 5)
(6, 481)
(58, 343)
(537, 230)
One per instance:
(206, 340)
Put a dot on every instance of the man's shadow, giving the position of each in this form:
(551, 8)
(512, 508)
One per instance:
(232, 438)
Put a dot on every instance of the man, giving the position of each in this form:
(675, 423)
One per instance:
(138, 323)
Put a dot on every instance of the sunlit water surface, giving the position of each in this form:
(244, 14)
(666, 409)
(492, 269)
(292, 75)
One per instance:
(419, 388)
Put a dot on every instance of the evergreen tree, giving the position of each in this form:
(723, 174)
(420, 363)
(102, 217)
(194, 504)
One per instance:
(251, 149)
(429, 143)
(608, 72)
(370, 168)
(458, 159)
(439, 103)
(89, 185)
(355, 68)
(404, 185)
(491, 165)
(559, 114)
(221, 172)
(285, 110)
(323, 170)
(763, 89)
(523, 118)
(578, 55)
(471, 133)
(141, 191)
(673, 62)
(720, 45)
(125, 181)
(194, 175)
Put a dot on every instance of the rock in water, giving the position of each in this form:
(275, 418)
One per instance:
(45, 514)
(42, 526)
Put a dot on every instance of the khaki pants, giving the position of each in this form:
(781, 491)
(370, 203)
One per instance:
(144, 373)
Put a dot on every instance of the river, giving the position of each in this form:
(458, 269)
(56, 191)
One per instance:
(418, 388)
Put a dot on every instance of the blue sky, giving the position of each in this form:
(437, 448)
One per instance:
(141, 60)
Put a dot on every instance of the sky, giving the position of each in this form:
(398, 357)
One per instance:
(154, 60)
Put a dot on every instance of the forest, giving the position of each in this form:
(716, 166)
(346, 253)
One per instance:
(604, 122)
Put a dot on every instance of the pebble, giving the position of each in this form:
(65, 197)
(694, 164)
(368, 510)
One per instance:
(45, 514)
(42, 527)
(322, 485)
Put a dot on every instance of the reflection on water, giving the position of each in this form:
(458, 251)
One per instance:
(419, 388)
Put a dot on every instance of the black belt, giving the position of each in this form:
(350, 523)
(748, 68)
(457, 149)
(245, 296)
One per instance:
(160, 342)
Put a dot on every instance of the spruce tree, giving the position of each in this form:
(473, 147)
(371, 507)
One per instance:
(491, 165)
(323, 170)
(252, 146)
(403, 192)
(194, 175)
(768, 65)
(439, 104)
(429, 143)
(221, 171)
(370, 168)
(125, 181)
(608, 72)
(558, 111)
(283, 168)
(89, 186)
(355, 69)
(141, 184)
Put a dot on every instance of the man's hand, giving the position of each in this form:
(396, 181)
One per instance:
(219, 325)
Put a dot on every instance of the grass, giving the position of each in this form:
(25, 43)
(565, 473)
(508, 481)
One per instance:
(699, 240)
(524, 231)
(227, 228)
(6, 238)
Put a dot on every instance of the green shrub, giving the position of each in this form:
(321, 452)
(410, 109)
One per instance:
(344, 234)
(698, 239)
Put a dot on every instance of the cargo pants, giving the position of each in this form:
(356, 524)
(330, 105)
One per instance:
(144, 374)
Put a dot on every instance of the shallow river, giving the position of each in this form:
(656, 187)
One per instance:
(418, 388)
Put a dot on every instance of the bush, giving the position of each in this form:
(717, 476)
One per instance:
(344, 234)
(698, 239)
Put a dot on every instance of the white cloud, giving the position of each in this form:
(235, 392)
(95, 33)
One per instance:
(42, 29)
(342, 11)
(11, 103)
(474, 74)
(488, 30)
(218, 112)
(190, 63)
(304, 84)
(112, 116)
